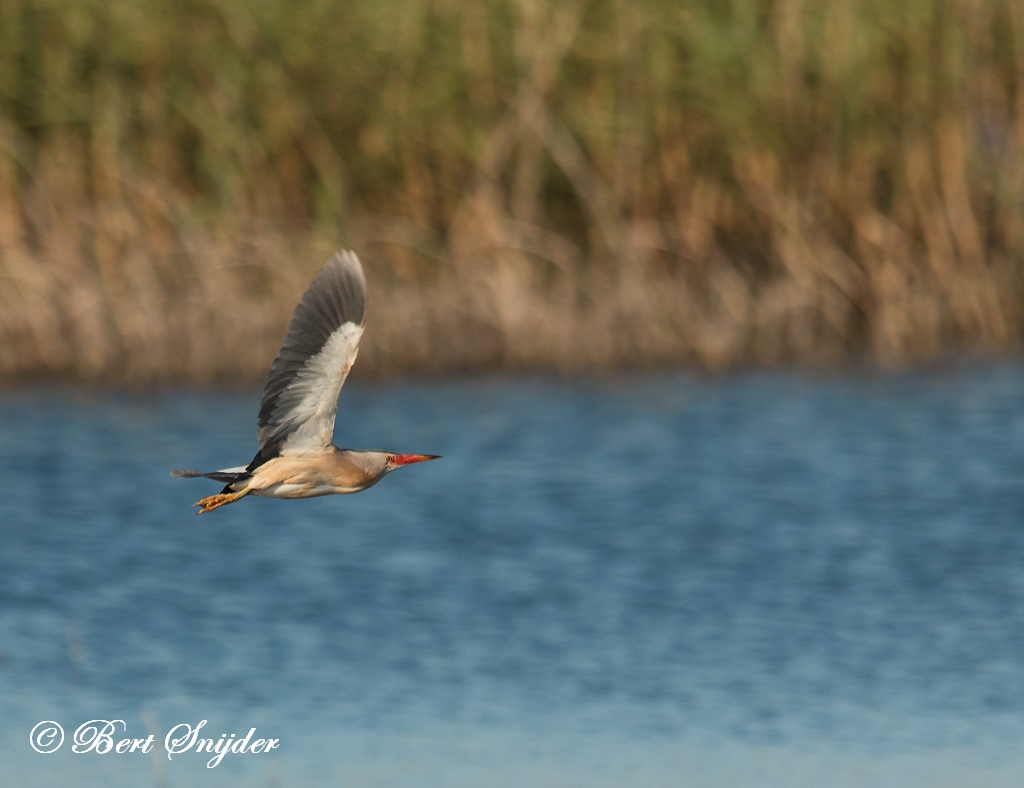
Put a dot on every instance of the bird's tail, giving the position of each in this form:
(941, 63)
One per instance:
(228, 475)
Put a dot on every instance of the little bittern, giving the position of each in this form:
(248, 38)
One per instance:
(296, 458)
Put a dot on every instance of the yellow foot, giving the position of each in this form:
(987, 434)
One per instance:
(211, 502)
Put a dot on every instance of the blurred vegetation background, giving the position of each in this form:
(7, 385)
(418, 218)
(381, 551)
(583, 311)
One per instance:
(576, 185)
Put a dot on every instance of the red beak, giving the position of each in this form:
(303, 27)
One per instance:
(409, 459)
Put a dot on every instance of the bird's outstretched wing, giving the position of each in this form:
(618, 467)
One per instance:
(300, 395)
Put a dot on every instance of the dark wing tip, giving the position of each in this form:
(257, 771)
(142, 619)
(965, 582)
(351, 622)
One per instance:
(189, 474)
(348, 262)
(337, 295)
(342, 282)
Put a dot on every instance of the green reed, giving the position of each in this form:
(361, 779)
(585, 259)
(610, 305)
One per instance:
(572, 185)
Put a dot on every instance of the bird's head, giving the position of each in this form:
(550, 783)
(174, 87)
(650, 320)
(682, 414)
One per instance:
(377, 464)
(381, 462)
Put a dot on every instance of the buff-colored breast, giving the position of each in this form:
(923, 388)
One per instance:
(308, 476)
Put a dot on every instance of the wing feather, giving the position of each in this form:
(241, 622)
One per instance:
(300, 394)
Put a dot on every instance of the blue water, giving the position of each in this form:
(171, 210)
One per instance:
(759, 580)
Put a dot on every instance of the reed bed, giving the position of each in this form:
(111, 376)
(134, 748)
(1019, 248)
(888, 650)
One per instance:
(573, 185)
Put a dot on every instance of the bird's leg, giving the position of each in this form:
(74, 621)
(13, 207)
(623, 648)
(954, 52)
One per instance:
(211, 502)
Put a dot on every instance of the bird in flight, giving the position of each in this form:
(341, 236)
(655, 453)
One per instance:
(296, 458)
